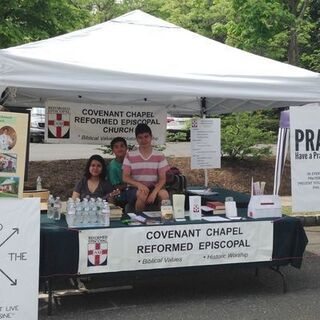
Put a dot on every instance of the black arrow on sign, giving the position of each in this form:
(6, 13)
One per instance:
(13, 282)
(15, 230)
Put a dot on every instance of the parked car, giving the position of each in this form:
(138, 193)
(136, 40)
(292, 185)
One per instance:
(179, 124)
(37, 123)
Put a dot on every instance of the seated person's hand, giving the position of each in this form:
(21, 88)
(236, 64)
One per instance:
(144, 189)
(152, 197)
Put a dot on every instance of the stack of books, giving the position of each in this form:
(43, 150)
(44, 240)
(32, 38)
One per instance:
(217, 206)
(115, 212)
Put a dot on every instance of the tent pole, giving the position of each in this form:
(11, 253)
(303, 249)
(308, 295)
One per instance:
(204, 114)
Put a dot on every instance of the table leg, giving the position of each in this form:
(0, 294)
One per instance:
(284, 282)
(50, 296)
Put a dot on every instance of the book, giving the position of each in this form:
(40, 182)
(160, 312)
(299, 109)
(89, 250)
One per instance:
(216, 205)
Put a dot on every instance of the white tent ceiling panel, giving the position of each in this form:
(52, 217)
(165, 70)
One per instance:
(138, 56)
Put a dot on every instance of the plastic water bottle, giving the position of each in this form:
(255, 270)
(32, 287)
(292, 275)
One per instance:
(71, 212)
(105, 214)
(39, 183)
(85, 211)
(50, 208)
(57, 209)
(78, 206)
(93, 211)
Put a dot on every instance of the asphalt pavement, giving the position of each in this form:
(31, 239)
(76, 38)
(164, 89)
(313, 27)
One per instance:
(226, 293)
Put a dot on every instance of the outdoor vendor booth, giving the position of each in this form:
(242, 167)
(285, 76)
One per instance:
(141, 63)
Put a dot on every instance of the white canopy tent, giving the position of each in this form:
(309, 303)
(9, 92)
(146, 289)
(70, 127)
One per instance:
(137, 59)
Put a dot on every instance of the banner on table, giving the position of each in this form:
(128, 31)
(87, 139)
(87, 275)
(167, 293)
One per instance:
(68, 122)
(205, 144)
(305, 157)
(13, 142)
(156, 247)
(19, 258)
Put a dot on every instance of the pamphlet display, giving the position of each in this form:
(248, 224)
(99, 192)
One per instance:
(205, 144)
(13, 141)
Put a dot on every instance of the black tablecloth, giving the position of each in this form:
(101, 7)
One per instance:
(59, 246)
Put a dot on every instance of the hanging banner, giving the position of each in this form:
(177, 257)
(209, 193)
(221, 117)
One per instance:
(156, 247)
(19, 258)
(205, 144)
(13, 142)
(305, 158)
(68, 122)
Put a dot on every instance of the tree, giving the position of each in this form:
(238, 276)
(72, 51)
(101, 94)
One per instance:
(24, 21)
(242, 132)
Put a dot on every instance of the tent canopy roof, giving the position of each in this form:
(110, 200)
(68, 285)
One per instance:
(137, 59)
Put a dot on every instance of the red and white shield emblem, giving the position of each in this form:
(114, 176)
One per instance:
(59, 125)
(97, 254)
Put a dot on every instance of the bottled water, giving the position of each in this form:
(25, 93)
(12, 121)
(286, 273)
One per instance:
(71, 212)
(78, 207)
(57, 209)
(105, 214)
(39, 184)
(85, 211)
(99, 205)
(50, 208)
(92, 211)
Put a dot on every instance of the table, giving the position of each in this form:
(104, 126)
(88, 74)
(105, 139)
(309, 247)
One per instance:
(59, 249)
(59, 246)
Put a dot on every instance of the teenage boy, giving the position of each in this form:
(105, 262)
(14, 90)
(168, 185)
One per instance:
(145, 170)
(119, 148)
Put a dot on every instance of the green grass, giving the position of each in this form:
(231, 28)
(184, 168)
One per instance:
(288, 211)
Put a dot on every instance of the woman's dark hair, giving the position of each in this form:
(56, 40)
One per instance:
(103, 164)
(142, 128)
(116, 140)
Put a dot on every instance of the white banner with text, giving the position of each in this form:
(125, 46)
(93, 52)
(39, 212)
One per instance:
(172, 246)
(19, 258)
(305, 158)
(68, 122)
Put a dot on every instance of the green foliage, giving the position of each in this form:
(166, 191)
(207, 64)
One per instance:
(241, 133)
(176, 136)
(25, 21)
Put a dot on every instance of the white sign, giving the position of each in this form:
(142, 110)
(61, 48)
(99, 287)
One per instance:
(19, 258)
(205, 144)
(305, 158)
(13, 142)
(68, 122)
(154, 247)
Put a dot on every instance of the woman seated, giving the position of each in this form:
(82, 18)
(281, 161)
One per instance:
(93, 183)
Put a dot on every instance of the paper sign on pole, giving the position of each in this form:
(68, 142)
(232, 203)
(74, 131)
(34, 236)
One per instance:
(305, 158)
(205, 144)
(68, 122)
(135, 248)
(19, 258)
(13, 140)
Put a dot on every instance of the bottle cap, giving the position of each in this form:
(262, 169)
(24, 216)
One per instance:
(229, 199)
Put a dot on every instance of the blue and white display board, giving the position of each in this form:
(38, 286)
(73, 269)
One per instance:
(19, 258)
(305, 157)
(172, 246)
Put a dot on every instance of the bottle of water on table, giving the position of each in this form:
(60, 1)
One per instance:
(105, 214)
(57, 209)
(50, 208)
